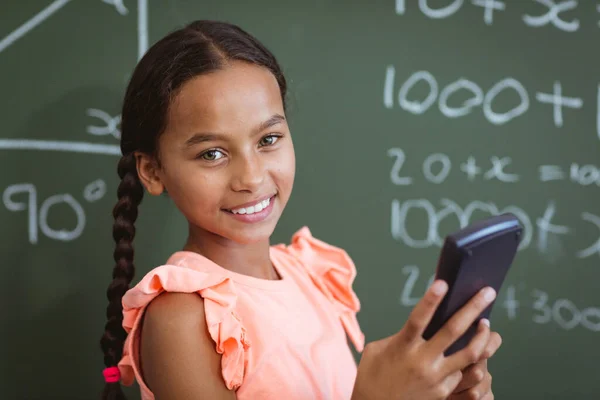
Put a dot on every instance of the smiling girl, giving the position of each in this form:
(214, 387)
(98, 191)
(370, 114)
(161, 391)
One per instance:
(230, 316)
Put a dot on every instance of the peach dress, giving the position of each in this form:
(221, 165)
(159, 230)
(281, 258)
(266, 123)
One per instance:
(279, 339)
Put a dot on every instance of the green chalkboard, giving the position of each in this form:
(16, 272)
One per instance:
(410, 119)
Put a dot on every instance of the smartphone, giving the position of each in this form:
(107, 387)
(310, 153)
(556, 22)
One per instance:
(476, 256)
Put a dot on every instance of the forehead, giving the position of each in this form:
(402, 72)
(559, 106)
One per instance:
(237, 97)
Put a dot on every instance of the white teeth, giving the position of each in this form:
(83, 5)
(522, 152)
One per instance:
(258, 207)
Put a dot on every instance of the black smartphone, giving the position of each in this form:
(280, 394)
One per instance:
(476, 256)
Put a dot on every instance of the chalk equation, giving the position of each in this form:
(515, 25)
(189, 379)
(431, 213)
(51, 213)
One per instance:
(437, 167)
(556, 99)
(555, 13)
(545, 229)
(110, 124)
(23, 197)
(515, 299)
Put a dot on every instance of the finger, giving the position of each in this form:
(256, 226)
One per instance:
(472, 376)
(422, 313)
(488, 396)
(471, 353)
(482, 391)
(458, 324)
(492, 346)
(449, 383)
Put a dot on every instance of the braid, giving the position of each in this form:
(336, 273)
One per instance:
(125, 213)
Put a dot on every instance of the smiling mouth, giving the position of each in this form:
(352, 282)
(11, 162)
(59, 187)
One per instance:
(253, 209)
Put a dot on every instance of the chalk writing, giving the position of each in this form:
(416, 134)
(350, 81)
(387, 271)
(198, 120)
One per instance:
(594, 248)
(110, 123)
(558, 101)
(551, 12)
(401, 210)
(552, 15)
(497, 170)
(438, 166)
(562, 312)
(551, 173)
(470, 168)
(478, 97)
(38, 218)
(489, 7)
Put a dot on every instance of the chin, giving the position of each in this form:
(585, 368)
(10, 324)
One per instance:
(250, 234)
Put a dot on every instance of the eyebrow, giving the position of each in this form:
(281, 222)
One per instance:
(198, 138)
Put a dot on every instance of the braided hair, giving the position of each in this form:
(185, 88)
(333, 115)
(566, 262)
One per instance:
(197, 48)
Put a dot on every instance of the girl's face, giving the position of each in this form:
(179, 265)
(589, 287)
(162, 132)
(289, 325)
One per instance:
(226, 153)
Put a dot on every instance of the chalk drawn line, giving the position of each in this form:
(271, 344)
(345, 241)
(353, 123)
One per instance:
(32, 23)
(55, 145)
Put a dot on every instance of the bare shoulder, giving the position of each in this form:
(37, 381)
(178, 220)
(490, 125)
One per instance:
(177, 355)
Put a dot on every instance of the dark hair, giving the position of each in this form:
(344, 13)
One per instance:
(198, 48)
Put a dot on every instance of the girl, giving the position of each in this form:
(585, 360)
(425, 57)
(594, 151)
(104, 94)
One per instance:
(230, 316)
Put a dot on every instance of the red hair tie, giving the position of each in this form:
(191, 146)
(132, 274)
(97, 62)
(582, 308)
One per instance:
(111, 374)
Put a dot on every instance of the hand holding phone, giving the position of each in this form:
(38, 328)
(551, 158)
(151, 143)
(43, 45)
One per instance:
(477, 256)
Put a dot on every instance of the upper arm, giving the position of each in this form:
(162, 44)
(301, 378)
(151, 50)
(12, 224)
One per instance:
(178, 356)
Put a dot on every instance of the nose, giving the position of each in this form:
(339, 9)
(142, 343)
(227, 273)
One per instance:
(248, 173)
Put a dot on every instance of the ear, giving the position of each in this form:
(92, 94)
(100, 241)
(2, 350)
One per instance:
(148, 171)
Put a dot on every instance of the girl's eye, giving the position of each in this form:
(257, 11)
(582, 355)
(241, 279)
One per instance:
(211, 155)
(269, 140)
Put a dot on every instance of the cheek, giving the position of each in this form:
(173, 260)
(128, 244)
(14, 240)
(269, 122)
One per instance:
(193, 190)
(286, 171)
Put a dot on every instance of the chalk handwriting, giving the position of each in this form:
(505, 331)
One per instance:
(470, 168)
(443, 96)
(545, 226)
(585, 175)
(595, 247)
(445, 167)
(551, 173)
(413, 273)
(398, 163)
(38, 218)
(62, 234)
(477, 99)
(497, 170)
(110, 126)
(468, 105)
(551, 12)
(435, 13)
(502, 118)
(489, 7)
(598, 112)
(121, 9)
(94, 191)
(558, 102)
(563, 312)
(552, 15)
(401, 210)
(30, 206)
(417, 107)
(437, 167)
(511, 303)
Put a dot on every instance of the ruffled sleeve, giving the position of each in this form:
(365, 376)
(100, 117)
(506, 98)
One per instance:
(333, 272)
(223, 324)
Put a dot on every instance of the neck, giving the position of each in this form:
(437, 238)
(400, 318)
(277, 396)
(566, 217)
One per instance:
(248, 259)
